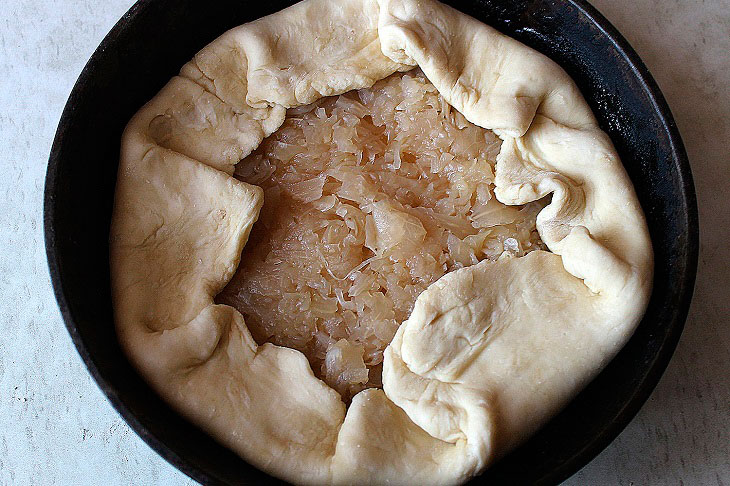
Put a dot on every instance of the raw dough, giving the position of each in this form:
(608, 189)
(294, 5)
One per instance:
(489, 353)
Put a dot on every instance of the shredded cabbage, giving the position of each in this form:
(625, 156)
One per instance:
(369, 197)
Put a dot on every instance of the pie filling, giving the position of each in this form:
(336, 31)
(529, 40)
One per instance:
(370, 197)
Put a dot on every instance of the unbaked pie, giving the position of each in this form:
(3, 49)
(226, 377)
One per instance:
(372, 242)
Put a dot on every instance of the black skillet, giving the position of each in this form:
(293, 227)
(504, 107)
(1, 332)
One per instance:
(150, 44)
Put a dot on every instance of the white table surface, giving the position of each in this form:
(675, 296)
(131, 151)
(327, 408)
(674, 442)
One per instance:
(56, 427)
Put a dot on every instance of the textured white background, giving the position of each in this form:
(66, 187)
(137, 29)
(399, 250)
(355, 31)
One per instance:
(57, 428)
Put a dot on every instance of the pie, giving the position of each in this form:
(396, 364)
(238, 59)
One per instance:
(444, 246)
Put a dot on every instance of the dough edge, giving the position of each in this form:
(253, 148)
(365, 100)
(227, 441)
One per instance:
(180, 221)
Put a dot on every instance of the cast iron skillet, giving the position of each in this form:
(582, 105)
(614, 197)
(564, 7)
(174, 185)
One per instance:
(150, 44)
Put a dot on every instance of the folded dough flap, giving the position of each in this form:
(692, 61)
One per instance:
(493, 80)
(594, 220)
(177, 233)
(379, 444)
(187, 119)
(492, 351)
(312, 49)
(265, 404)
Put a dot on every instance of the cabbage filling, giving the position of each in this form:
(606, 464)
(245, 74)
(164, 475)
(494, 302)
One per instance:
(369, 197)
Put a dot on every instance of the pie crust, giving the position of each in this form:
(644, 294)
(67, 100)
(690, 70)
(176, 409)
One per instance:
(489, 353)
